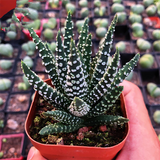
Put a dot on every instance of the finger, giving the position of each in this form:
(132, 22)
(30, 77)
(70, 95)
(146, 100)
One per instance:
(127, 87)
(34, 154)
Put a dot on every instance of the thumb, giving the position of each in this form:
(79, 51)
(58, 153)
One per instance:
(34, 154)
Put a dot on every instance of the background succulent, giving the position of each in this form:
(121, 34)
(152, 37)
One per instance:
(146, 61)
(79, 24)
(35, 5)
(121, 46)
(33, 24)
(135, 18)
(97, 3)
(143, 44)
(5, 84)
(1, 102)
(84, 89)
(28, 61)
(156, 45)
(6, 50)
(33, 14)
(122, 16)
(100, 11)
(70, 8)
(151, 10)
(116, 7)
(11, 35)
(137, 8)
(29, 47)
(153, 89)
(52, 22)
(156, 116)
(84, 12)
(101, 22)
(101, 31)
(48, 34)
(53, 3)
(137, 29)
(147, 3)
(83, 3)
(156, 34)
(5, 64)
(24, 85)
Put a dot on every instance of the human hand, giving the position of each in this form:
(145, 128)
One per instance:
(142, 142)
(34, 154)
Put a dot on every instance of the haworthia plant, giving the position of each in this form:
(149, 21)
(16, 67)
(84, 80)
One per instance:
(85, 89)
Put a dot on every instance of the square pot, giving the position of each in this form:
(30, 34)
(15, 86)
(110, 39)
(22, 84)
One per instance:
(67, 152)
(12, 148)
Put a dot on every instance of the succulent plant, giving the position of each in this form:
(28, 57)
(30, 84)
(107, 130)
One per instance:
(84, 12)
(5, 64)
(83, 3)
(52, 22)
(48, 34)
(122, 16)
(70, 8)
(79, 24)
(101, 22)
(116, 7)
(143, 44)
(137, 29)
(33, 14)
(53, 3)
(1, 102)
(29, 47)
(136, 26)
(64, 2)
(6, 50)
(156, 45)
(156, 116)
(121, 46)
(153, 89)
(151, 10)
(101, 31)
(12, 27)
(84, 89)
(35, 5)
(135, 18)
(52, 46)
(146, 61)
(5, 84)
(138, 33)
(147, 3)
(28, 61)
(156, 34)
(158, 7)
(137, 8)
(97, 3)
(34, 24)
(21, 3)
(1, 126)
(116, 1)
(24, 85)
(100, 11)
(11, 35)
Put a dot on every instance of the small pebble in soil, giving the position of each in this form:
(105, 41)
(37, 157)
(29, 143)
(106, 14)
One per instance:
(12, 124)
(12, 150)
(22, 98)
